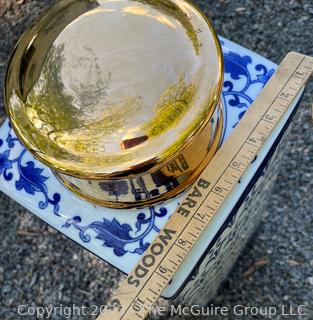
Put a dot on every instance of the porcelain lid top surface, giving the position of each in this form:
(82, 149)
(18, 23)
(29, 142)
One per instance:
(98, 88)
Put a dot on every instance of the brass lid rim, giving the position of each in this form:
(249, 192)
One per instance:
(165, 196)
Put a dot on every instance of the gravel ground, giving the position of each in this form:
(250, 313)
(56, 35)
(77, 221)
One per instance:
(39, 267)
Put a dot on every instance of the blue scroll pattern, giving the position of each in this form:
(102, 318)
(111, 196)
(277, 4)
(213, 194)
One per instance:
(30, 178)
(237, 68)
(117, 235)
(114, 234)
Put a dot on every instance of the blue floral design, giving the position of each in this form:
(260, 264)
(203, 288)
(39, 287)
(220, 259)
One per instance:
(120, 237)
(237, 67)
(266, 75)
(116, 235)
(30, 173)
(30, 178)
(5, 163)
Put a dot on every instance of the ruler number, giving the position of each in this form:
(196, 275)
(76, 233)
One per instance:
(181, 242)
(252, 140)
(236, 164)
(138, 305)
(162, 270)
(285, 95)
(300, 75)
(269, 117)
(218, 189)
(201, 216)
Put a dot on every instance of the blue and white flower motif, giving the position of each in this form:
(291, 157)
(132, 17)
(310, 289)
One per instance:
(30, 178)
(266, 74)
(5, 163)
(236, 65)
(112, 233)
(236, 68)
(117, 235)
(241, 77)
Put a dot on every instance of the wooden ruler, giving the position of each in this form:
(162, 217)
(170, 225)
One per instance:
(135, 297)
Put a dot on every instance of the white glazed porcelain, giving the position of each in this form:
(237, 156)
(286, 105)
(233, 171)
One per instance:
(117, 236)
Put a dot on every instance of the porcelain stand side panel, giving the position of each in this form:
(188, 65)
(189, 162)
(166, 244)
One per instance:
(224, 250)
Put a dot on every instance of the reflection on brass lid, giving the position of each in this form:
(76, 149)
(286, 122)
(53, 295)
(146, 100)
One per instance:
(97, 89)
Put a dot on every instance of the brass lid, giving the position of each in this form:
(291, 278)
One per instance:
(112, 88)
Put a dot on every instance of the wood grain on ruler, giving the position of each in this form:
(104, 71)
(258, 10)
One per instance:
(137, 294)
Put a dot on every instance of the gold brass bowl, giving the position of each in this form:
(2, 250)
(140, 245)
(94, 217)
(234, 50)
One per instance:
(121, 98)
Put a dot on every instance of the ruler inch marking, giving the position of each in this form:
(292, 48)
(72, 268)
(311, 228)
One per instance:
(227, 161)
(161, 275)
(251, 143)
(179, 256)
(150, 300)
(174, 263)
(193, 235)
(152, 291)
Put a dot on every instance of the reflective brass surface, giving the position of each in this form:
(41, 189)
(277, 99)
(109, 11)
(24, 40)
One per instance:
(159, 185)
(115, 89)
